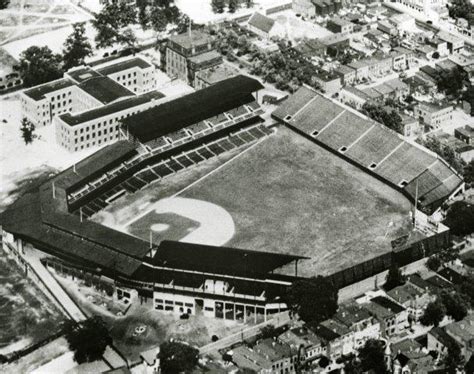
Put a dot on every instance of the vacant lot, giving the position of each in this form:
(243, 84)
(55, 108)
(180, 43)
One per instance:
(290, 195)
(26, 316)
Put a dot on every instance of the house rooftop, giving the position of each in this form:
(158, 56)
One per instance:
(383, 307)
(300, 336)
(217, 73)
(205, 57)
(351, 313)
(344, 69)
(261, 22)
(463, 329)
(104, 89)
(82, 74)
(404, 293)
(467, 131)
(194, 39)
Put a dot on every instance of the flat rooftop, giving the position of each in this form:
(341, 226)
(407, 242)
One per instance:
(82, 74)
(195, 39)
(39, 92)
(105, 89)
(76, 119)
(131, 63)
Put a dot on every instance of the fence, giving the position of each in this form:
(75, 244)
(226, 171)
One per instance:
(277, 320)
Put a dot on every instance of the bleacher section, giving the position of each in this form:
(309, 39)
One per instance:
(371, 146)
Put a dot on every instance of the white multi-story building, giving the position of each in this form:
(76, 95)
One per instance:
(100, 125)
(433, 115)
(84, 88)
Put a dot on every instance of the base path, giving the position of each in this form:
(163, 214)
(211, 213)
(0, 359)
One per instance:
(216, 226)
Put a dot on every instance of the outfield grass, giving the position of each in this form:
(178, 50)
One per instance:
(289, 195)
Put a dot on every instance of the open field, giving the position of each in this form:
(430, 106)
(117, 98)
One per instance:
(289, 195)
(26, 316)
(285, 194)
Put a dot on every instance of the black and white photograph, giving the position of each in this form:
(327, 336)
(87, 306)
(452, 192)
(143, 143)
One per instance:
(237, 186)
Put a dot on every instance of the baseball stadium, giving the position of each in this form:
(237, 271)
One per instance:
(205, 207)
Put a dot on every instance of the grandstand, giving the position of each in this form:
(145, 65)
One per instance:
(407, 167)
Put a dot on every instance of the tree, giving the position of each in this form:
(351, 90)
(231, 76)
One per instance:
(394, 278)
(462, 9)
(468, 173)
(111, 22)
(88, 339)
(232, 6)
(460, 218)
(447, 153)
(27, 130)
(434, 314)
(314, 299)
(456, 306)
(451, 82)
(217, 6)
(453, 360)
(4, 4)
(433, 263)
(391, 118)
(39, 65)
(142, 13)
(267, 331)
(158, 19)
(371, 357)
(467, 289)
(76, 47)
(248, 3)
(177, 357)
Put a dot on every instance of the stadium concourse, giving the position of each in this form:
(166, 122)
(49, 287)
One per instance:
(220, 282)
(416, 172)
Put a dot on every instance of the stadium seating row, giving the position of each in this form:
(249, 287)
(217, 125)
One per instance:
(173, 165)
(369, 144)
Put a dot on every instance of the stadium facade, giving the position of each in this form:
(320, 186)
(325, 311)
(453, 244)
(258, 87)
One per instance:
(52, 221)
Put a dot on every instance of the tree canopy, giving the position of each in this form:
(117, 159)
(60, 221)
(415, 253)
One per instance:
(371, 357)
(314, 299)
(447, 153)
(87, 339)
(177, 357)
(460, 218)
(451, 82)
(453, 360)
(434, 314)
(112, 24)
(394, 277)
(39, 65)
(27, 130)
(468, 173)
(389, 118)
(4, 4)
(76, 47)
(462, 9)
(456, 305)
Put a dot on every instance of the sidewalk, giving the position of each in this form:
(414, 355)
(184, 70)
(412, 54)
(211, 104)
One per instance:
(61, 296)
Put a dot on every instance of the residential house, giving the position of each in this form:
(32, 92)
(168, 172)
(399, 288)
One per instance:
(340, 25)
(359, 321)
(409, 357)
(265, 27)
(353, 97)
(387, 27)
(454, 43)
(330, 82)
(463, 333)
(310, 346)
(347, 74)
(434, 115)
(411, 126)
(304, 7)
(392, 316)
(438, 45)
(338, 337)
(465, 134)
(438, 340)
(267, 356)
(414, 300)
(361, 69)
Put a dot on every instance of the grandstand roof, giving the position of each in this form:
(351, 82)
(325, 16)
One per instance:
(187, 110)
(221, 260)
(76, 119)
(368, 143)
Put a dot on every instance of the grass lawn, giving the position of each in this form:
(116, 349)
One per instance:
(287, 194)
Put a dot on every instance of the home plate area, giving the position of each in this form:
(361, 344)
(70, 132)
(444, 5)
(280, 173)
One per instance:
(186, 220)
